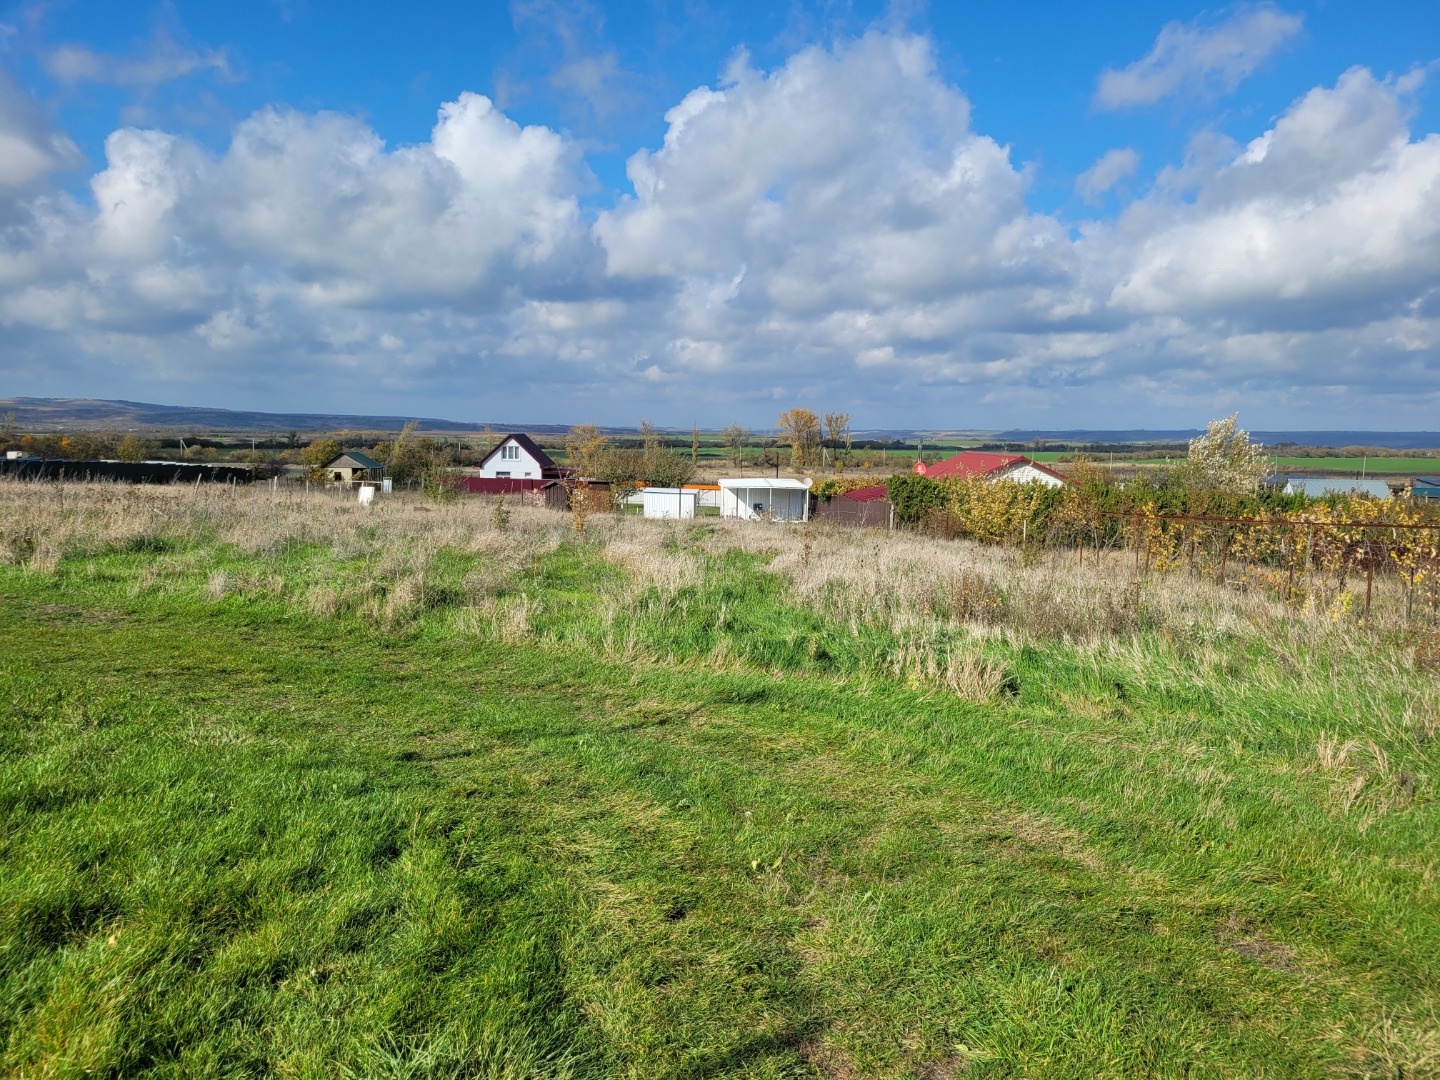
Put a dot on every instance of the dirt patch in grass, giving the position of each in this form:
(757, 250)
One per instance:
(65, 613)
(1270, 954)
(1029, 834)
(830, 1063)
(835, 1064)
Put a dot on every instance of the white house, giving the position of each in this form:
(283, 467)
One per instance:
(757, 497)
(970, 464)
(518, 458)
(667, 502)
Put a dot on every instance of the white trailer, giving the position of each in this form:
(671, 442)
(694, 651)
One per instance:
(668, 502)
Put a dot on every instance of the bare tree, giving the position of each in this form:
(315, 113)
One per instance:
(736, 437)
(801, 429)
(649, 437)
(837, 437)
(770, 454)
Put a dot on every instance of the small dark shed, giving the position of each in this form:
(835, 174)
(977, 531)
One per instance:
(595, 494)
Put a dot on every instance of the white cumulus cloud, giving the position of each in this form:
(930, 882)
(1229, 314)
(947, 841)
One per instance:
(1328, 218)
(832, 232)
(815, 210)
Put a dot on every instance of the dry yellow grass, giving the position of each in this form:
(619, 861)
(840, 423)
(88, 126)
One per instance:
(908, 585)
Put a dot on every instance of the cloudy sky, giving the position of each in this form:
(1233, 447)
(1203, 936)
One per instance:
(1050, 215)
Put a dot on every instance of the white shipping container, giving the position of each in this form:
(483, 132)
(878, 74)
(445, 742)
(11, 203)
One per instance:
(668, 502)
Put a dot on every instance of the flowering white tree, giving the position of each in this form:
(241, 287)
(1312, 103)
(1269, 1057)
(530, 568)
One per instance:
(1225, 458)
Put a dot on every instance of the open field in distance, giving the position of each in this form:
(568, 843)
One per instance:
(1380, 466)
(293, 787)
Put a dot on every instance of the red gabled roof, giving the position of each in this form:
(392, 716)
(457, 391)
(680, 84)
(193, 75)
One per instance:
(866, 494)
(972, 463)
(530, 448)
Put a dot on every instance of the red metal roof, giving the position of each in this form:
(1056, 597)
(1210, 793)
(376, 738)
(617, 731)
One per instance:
(972, 463)
(866, 494)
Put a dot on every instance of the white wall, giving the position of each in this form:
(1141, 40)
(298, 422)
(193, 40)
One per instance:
(1028, 474)
(524, 467)
(668, 503)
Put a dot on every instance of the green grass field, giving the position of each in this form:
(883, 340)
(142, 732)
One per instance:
(297, 791)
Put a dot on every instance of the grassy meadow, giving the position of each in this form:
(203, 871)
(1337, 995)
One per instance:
(293, 787)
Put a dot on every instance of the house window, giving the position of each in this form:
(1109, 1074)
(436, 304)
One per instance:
(510, 452)
(502, 476)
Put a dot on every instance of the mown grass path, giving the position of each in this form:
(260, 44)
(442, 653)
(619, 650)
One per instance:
(237, 841)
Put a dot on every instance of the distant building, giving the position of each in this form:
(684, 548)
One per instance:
(668, 502)
(970, 464)
(756, 498)
(707, 496)
(518, 457)
(1425, 488)
(354, 467)
(1317, 487)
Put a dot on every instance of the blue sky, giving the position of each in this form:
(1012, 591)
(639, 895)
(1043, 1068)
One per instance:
(1037, 215)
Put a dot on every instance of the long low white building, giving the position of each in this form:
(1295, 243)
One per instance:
(759, 497)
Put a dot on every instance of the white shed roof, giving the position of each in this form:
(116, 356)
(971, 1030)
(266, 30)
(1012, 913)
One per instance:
(771, 482)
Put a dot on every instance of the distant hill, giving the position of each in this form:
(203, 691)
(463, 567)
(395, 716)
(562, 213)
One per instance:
(46, 414)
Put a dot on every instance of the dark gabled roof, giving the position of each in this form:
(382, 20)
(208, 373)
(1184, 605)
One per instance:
(358, 460)
(530, 448)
